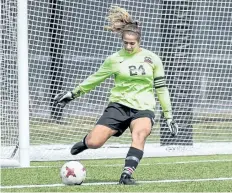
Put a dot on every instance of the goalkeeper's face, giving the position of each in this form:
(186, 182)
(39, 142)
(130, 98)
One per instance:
(130, 43)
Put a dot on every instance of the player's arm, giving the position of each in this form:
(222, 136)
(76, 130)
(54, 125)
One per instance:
(87, 85)
(163, 95)
(95, 79)
(161, 89)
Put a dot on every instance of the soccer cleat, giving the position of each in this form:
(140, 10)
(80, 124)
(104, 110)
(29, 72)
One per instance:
(78, 148)
(126, 180)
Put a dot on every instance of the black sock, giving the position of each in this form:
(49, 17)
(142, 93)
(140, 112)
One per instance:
(85, 142)
(132, 160)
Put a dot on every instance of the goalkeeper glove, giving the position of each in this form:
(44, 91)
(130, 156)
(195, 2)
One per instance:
(173, 127)
(63, 98)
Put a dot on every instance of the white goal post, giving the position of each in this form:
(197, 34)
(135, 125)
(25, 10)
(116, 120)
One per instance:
(48, 46)
(19, 148)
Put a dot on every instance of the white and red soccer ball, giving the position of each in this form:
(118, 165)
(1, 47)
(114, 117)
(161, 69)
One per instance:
(73, 173)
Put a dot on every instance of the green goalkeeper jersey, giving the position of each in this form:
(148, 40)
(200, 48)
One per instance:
(135, 77)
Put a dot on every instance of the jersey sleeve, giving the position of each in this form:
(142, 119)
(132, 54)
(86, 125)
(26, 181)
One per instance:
(95, 79)
(161, 88)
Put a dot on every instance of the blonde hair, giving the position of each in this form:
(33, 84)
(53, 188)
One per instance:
(121, 21)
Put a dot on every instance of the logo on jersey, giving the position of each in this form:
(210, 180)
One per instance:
(148, 60)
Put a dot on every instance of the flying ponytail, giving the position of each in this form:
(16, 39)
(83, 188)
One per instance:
(120, 21)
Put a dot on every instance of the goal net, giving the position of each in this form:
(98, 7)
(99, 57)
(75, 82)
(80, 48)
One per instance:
(67, 43)
(9, 77)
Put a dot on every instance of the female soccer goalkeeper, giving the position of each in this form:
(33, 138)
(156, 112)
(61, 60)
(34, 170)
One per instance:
(132, 102)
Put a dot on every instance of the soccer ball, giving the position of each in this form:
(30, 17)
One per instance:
(73, 173)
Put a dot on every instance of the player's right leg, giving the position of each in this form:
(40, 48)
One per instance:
(95, 139)
(114, 121)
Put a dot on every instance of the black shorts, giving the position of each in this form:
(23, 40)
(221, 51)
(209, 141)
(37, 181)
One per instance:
(118, 117)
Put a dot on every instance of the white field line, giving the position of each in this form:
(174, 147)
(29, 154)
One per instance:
(115, 183)
(141, 164)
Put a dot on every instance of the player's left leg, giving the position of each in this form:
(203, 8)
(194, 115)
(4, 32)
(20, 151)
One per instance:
(140, 130)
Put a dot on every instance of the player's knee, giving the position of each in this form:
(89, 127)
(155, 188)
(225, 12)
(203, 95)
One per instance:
(141, 135)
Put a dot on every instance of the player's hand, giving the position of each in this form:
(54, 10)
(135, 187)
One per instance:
(173, 127)
(63, 98)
